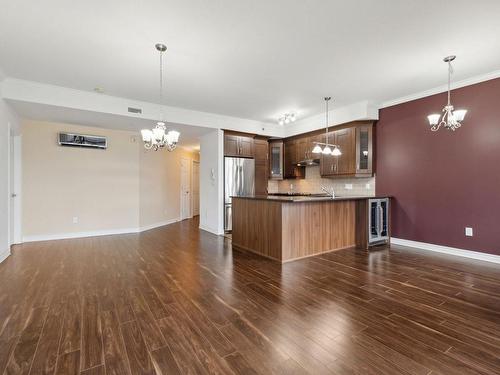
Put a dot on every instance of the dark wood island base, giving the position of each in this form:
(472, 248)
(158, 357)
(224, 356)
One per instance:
(286, 229)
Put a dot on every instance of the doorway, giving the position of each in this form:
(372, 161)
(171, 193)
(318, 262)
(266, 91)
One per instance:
(185, 189)
(195, 187)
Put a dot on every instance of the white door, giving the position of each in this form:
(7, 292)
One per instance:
(195, 184)
(16, 164)
(185, 189)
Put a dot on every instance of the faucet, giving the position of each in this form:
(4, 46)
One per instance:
(329, 192)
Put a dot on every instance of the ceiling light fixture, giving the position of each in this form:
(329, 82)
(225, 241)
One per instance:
(329, 149)
(157, 138)
(287, 118)
(451, 119)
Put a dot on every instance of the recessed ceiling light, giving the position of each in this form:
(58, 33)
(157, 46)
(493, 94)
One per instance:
(99, 90)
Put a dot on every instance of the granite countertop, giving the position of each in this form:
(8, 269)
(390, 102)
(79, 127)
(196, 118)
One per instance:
(301, 199)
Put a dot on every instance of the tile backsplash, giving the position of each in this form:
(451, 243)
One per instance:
(349, 186)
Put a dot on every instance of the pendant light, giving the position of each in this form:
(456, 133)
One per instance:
(328, 149)
(450, 119)
(157, 138)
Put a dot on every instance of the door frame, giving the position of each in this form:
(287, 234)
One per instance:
(193, 162)
(182, 208)
(15, 187)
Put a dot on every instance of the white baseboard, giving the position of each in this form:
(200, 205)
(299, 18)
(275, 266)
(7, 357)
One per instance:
(107, 232)
(4, 255)
(447, 250)
(159, 224)
(211, 230)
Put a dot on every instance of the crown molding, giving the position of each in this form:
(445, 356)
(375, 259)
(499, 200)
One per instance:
(443, 88)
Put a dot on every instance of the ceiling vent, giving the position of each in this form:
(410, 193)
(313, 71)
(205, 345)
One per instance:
(81, 140)
(134, 110)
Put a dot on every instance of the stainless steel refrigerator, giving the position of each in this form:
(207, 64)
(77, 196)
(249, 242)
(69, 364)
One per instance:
(239, 180)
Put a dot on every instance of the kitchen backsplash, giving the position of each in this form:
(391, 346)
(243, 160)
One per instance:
(312, 184)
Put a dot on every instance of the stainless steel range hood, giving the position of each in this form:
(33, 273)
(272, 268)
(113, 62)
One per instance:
(308, 162)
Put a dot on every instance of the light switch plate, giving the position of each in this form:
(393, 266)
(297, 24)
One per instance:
(468, 232)
(367, 186)
(348, 186)
(75, 219)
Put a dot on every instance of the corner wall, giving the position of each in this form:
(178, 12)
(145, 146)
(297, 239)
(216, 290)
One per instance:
(212, 182)
(443, 181)
(7, 118)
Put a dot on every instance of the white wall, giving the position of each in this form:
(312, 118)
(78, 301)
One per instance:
(212, 182)
(8, 122)
(159, 186)
(122, 189)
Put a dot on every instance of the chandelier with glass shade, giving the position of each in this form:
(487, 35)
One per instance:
(158, 138)
(326, 148)
(450, 119)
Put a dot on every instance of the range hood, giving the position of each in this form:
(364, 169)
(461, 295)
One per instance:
(308, 162)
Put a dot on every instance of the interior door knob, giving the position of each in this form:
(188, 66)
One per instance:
(13, 195)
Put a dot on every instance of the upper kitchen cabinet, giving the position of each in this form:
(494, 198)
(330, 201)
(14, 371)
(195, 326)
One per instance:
(356, 144)
(238, 145)
(364, 150)
(291, 158)
(276, 160)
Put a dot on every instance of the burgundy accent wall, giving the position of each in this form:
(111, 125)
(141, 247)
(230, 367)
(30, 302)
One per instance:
(443, 181)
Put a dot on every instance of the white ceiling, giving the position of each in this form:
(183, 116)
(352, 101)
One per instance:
(189, 134)
(249, 59)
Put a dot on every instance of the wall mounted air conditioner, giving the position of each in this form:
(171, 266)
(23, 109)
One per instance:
(82, 140)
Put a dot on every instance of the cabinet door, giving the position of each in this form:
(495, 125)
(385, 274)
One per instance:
(276, 160)
(231, 147)
(328, 163)
(261, 177)
(303, 151)
(364, 150)
(345, 139)
(261, 148)
(290, 156)
(246, 147)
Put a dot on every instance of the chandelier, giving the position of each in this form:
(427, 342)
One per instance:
(450, 119)
(328, 149)
(158, 138)
(287, 118)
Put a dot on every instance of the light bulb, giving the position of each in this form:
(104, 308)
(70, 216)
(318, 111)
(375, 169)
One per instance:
(327, 150)
(336, 151)
(317, 149)
(159, 133)
(433, 119)
(146, 135)
(287, 120)
(281, 121)
(173, 136)
(293, 117)
(459, 114)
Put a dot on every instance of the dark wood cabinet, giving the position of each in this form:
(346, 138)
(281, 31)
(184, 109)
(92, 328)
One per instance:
(364, 150)
(291, 170)
(238, 146)
(276, 160)
(356, 145)
(261, 152)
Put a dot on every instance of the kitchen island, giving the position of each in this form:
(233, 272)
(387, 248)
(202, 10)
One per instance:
(289, 228)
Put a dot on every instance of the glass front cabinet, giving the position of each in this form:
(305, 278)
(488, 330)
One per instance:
(364, 150)
(276, 160)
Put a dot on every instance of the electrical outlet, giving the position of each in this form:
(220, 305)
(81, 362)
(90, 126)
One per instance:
(75, 219)
(367, 186)
(348, 186)
(468, 232)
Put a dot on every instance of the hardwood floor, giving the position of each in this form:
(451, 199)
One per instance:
(176, 300)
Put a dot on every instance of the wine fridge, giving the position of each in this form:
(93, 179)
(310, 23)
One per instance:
(378, 221)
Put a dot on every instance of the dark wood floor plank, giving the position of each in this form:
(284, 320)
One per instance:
(24, 352)
(92, 350)
(48, 345)
(68, 363)
(164, 362)
(115, 355)
(178, 300)
(137, 352)
(71, 331)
